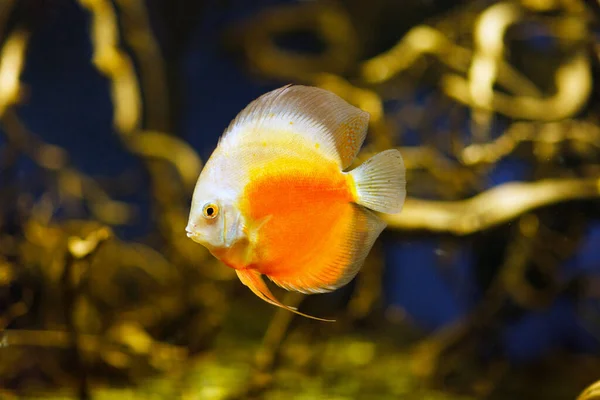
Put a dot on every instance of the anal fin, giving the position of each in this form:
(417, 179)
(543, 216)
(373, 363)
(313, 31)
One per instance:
(336, 260)
(254, 281)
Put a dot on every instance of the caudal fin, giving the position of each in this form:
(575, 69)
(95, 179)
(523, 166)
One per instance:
(381, 182)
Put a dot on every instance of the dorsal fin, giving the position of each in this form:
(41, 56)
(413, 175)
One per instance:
(321, 116)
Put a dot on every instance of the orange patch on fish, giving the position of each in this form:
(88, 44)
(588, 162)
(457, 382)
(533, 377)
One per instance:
(309, 215)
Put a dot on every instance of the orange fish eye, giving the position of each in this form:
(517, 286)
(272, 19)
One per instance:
(210, 210)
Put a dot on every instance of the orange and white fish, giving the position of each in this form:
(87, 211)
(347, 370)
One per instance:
(273, 199)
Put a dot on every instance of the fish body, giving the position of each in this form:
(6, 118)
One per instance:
(274, 198)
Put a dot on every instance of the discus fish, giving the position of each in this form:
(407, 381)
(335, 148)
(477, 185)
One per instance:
(274, 198)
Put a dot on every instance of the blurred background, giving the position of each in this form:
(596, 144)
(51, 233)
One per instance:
(486, 285)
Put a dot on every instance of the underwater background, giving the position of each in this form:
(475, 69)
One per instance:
(486, 285)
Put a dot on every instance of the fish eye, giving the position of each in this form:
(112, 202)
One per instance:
(210, 210)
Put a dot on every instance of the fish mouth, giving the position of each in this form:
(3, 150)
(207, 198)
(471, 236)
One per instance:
(196, 236)
(191, 233)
